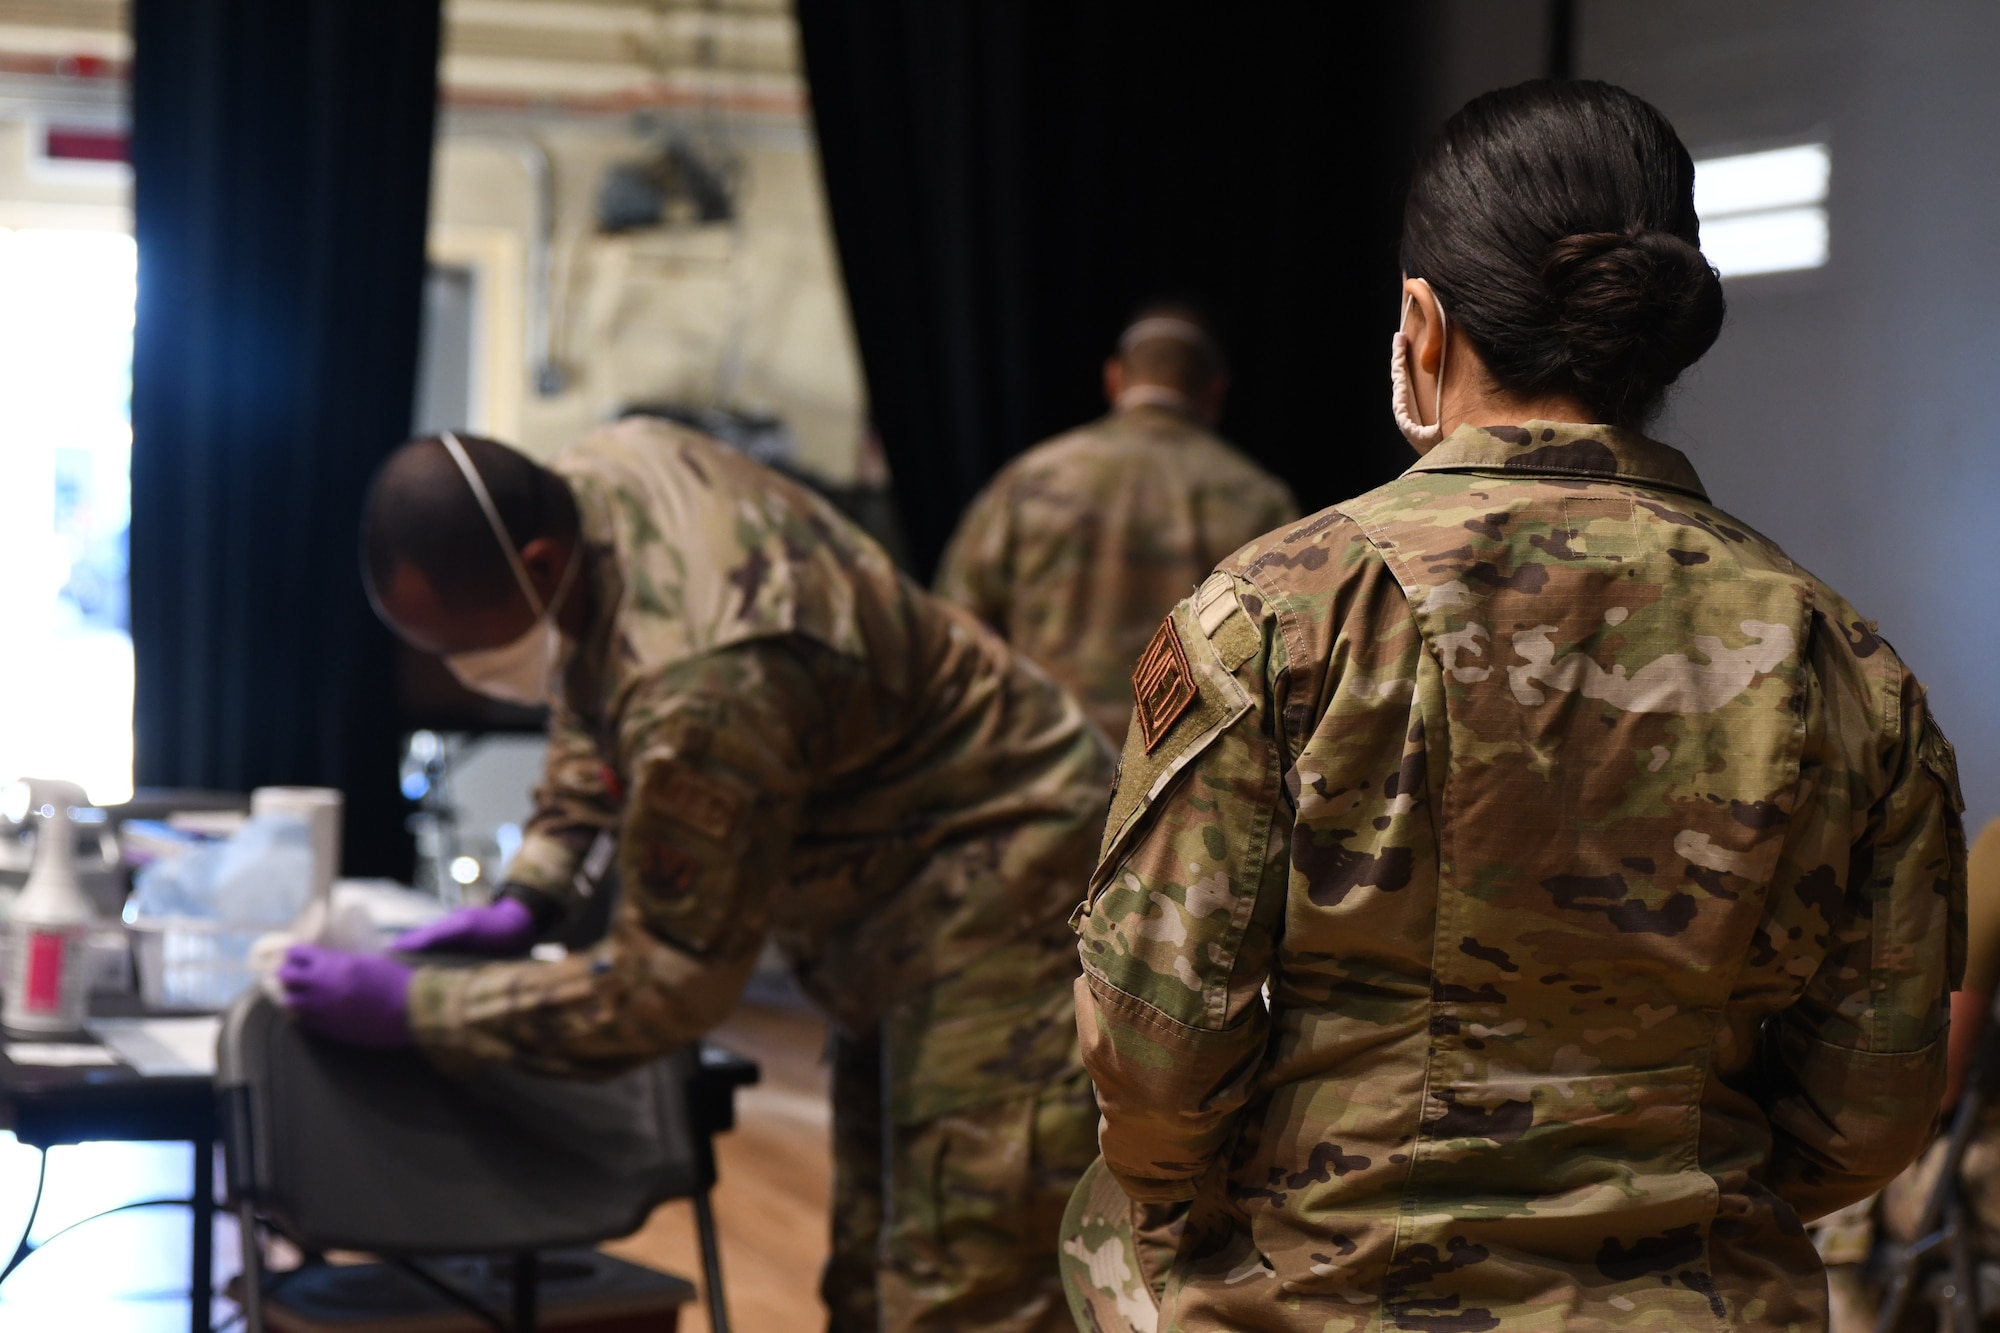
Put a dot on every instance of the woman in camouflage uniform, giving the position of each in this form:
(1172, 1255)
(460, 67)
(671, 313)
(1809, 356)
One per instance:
(1528, 894)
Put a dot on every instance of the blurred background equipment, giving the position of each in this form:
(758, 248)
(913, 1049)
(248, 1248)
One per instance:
(471, 793)
(1933, 1263)
(679, 186)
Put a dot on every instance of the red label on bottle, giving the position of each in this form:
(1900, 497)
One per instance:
(43, 989)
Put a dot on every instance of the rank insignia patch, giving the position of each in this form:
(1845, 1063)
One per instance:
(1162, 685)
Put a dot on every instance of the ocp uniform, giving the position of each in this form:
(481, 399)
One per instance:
(1079, 546)
(1605, 871)
(792, 741)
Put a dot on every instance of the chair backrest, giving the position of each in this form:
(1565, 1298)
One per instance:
(348, 1148)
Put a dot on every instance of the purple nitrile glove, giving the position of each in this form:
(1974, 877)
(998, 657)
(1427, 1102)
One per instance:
(357, 998)
(500, 928)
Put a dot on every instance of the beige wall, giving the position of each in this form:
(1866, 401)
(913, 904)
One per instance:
(37, 193)
(749, 316)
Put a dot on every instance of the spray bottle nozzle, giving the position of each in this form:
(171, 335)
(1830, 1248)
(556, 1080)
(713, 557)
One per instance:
(41, 798)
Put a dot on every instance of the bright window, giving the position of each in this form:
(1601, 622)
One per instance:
(1764, 212)
(65, 506)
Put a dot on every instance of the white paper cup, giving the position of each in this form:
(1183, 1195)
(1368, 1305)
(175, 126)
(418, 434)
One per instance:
(320, 807)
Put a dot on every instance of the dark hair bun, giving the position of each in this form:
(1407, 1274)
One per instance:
(1555, 221)
(1631, 310)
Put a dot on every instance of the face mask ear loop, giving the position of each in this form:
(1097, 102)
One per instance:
(570, 571)
(1403, 397)
(493, 520)
(1444, 355)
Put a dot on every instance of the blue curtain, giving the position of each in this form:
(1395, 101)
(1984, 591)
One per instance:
(281, 153)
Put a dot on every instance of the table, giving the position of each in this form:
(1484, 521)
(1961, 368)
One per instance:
(50, 1106)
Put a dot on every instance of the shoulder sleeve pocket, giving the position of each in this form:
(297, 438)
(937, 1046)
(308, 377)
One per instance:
(1185, 696)
(1938, 757)
(1942, 760)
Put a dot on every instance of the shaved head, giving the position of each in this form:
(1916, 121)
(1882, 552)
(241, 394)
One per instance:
(422, 513)
(1170, 343)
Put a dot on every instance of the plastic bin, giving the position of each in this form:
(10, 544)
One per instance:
(189, 963)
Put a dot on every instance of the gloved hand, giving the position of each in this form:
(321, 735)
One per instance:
(501, 928)
(357, 998)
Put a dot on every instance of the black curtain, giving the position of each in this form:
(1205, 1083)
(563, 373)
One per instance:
(1008, 177)
(281, 152)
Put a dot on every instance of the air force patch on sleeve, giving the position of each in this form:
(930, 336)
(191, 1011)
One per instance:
(1162, 685)
(686, 798)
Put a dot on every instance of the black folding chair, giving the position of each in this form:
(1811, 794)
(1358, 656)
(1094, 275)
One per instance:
(339, 1148)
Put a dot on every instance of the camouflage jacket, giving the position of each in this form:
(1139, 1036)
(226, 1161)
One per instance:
(1605, 872)
(789, 739)
(1081, 544)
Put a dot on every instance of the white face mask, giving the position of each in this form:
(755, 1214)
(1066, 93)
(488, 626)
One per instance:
(526, 670)
(1403, 395)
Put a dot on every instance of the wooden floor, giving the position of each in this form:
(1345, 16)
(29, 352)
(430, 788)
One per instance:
(776, 1169)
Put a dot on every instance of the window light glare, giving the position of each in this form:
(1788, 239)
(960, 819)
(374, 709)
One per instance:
(1764, 212)
(1772, 242)
(1775, 178)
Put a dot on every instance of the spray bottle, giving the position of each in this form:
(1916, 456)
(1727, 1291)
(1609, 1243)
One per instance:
(48, 943)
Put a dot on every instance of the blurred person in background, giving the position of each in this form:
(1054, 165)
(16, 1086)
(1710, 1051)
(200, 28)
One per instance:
(1528, 894)
(1972, 1006)
(1079, 546)
(1850, 1238)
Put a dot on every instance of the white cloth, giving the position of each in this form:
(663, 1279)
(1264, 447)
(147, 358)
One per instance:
(360, 915)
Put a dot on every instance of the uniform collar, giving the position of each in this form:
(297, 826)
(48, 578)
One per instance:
(1155, 410)
(1564, 449)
